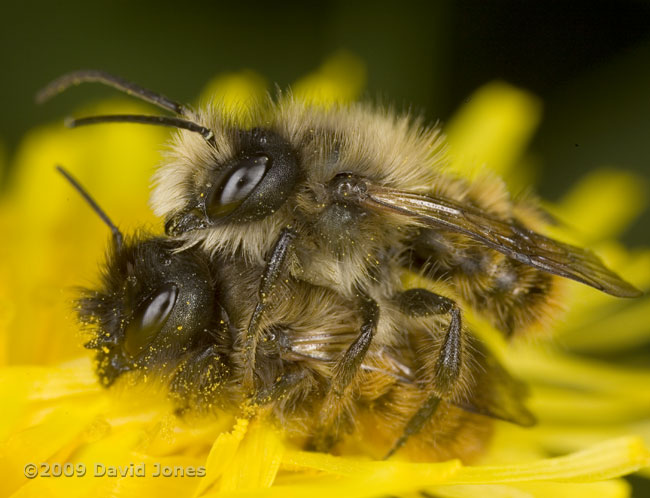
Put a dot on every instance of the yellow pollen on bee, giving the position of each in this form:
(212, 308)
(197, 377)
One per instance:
(105, 349)
(180, 327)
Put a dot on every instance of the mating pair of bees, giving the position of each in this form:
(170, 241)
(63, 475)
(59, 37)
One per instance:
(277, 288)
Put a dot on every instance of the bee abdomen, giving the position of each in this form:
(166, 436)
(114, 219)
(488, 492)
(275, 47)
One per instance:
(511, 295)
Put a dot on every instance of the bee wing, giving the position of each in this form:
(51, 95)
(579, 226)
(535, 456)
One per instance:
(507, 237)
(493, 392)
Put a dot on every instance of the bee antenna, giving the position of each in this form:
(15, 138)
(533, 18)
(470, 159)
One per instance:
(117, 235)
(184, 124)
(75, 78)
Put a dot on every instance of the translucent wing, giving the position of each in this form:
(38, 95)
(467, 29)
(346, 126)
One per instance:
(507, 237)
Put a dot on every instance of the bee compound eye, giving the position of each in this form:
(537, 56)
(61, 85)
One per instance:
(149, 318)
(239, 184)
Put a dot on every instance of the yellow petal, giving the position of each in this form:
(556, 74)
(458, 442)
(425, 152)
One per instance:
(614, 488)
(40, 442)
(7, 306)
(235, 88)
(236, 93)
(351, 477)
(492, 129)
(603, 204)
(565, 438)
(340, 79)
(563, 405)
(602, 461)
(256, 461)
(554, 367)
(485, 491)
(342, 466)
(625, 328)
(30, 388)
(357, 478)
(221, 455)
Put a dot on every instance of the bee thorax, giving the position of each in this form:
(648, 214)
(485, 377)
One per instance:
(348, 188)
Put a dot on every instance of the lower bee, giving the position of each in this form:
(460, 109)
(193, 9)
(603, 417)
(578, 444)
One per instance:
(182, 314)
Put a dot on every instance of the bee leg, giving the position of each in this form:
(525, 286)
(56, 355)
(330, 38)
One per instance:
(198, 379)
(186, 221)
(415, 424)
(421, 302)
(348, 366)
(343, 373)
(274, 267)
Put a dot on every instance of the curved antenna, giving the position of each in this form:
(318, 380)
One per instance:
(117, 235)
(144, 119)
(75, 78)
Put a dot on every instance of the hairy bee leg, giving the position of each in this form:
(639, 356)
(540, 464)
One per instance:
(274, 267)
(344, 372)
(348, 366)
(198, 379)
(421, 302)
(415, 424)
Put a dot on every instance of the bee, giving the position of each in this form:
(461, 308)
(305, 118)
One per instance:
(182, 315)
(346, 198)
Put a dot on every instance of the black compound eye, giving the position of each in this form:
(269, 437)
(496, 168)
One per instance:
(149, 319)
(238, 185)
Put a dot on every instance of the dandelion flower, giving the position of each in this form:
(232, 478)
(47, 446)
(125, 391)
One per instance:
(594, 417)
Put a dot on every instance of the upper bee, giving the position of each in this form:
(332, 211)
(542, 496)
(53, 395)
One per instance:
(351, 179)
(346, 197)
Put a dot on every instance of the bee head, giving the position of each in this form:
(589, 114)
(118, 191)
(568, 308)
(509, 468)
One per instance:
(154, 306)
(251, 185)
